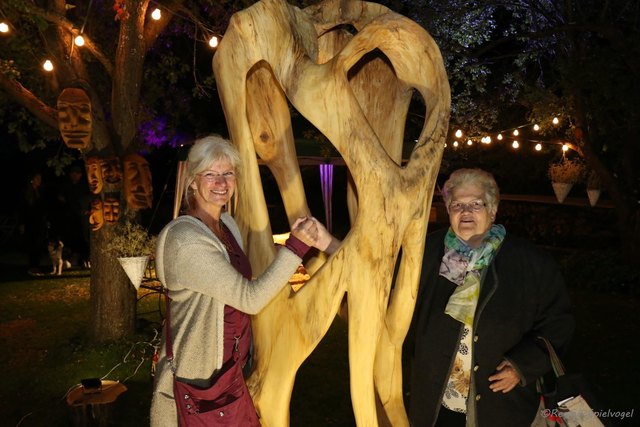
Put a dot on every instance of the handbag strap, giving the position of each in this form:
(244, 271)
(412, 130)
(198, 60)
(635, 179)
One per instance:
(556, 363)
(169, 343)
(167, 330)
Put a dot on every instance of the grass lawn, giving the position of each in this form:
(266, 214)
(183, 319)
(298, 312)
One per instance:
(44, 324)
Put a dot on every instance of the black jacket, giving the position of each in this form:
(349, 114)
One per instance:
(522, 296)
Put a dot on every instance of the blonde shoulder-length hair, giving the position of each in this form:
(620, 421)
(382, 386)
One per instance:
(204, 152)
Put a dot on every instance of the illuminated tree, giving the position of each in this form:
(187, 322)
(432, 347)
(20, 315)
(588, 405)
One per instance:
(526, 61)
(127, 65)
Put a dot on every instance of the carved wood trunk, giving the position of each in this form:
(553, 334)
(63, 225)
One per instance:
(350, 68)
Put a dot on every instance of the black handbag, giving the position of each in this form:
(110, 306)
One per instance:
(226, 402)
(570, 402)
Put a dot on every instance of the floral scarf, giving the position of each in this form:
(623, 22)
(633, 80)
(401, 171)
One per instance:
(463, 266)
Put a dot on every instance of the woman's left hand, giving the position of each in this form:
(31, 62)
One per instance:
(505, 378)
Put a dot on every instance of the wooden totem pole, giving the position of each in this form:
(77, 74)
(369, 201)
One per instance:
(350, 68)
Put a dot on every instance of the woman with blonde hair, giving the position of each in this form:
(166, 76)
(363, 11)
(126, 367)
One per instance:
(201, 263)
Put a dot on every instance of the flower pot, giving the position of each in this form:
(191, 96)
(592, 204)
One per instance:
(594, 195)
(134, 267)
(561, 189)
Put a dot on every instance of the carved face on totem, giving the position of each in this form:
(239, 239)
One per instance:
(138, 190)
(94, 174)
(111, 173)
(74, 117)
(96, 218)
(111, 209)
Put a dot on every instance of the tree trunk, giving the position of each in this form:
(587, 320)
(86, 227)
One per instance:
(113, 297)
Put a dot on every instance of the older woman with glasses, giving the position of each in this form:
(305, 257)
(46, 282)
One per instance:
(484, 298)
(201, 262)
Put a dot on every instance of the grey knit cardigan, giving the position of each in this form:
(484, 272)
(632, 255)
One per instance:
(193, 264)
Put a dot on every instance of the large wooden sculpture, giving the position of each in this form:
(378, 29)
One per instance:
(350, 68)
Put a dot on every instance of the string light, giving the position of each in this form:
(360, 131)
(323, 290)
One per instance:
(47, 65)
(213, 41)
(4, 28)
(79, 40)
(515, 132)
(156, 14)
(455, 144)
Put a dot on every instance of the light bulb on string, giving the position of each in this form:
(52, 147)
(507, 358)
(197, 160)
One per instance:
(79, 40)
(156, 14)
(213, 41)
(455, 144)
(536, 127)
(47, 65)
(499, 137)
(565, 148)
(516, 132)
(458, 133)
(555, 121)
(4, 28)
(515, 144)
(538, 147)
(469, 142)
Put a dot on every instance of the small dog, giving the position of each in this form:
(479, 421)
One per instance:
(55, 253)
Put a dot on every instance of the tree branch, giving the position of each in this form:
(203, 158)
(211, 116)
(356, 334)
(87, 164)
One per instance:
(28, 100)
(89, 45)
(154, 28)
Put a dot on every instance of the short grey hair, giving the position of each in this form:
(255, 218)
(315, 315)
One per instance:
(478, 177)
(204, 152)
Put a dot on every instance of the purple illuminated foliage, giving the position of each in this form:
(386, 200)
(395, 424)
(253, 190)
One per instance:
(156, 133)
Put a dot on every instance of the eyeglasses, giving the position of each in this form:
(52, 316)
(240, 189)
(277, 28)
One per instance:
(472, 206)
(212, 176)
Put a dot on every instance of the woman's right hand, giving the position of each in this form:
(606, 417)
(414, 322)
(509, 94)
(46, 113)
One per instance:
(305, 230)
(325, 241)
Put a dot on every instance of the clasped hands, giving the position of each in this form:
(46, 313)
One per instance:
(312, 232)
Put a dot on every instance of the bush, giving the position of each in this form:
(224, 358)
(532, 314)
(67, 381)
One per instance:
(129, 239)
(567, 171)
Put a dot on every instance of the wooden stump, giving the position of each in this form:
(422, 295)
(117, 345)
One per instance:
(94, 408)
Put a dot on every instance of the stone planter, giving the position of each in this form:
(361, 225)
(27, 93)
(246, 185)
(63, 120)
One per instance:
(594, 195)
(561, 189)
(134, 267)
